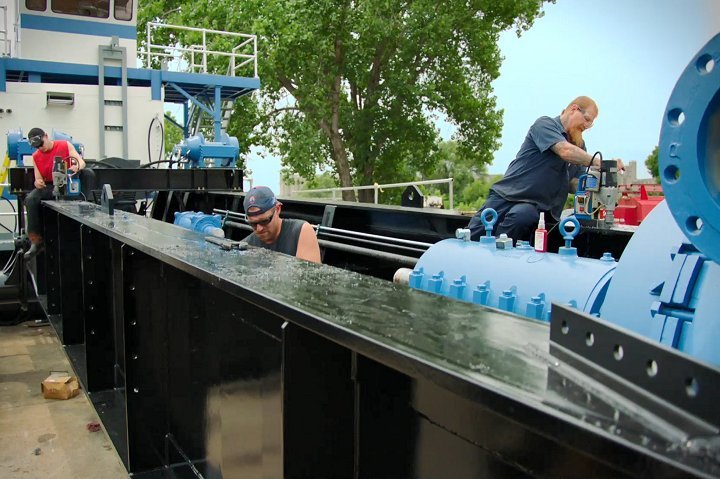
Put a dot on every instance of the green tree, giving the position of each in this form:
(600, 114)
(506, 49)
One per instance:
(320, 181)
(351, 85)
(651, 163)
(471, 181)
(173, 134)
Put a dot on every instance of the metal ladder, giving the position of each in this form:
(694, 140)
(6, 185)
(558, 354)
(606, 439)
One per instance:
(6, 48)
(112, 53)
(202, 123)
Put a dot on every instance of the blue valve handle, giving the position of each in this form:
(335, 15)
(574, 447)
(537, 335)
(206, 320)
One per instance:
(488, 223)
(569, 235)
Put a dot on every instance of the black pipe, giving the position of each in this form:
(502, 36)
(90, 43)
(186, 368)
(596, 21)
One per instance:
(147, 165)
(350, 235)
(376, 243)
(398, 258)
(162, 139)
(241, 226)
(101, 164)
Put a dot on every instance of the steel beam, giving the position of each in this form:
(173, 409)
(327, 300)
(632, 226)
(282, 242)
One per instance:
(256, 364)
(145, 179)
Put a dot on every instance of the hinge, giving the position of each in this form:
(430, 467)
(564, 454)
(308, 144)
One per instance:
(674, 307)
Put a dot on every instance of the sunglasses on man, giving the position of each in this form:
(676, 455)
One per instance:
(265, 222)
(36, 141)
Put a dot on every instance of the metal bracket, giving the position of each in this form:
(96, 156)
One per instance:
(672, 385)
(327, 220)
(227, 244)
(107, 201)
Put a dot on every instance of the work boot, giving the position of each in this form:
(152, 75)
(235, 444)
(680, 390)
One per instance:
(36, 246)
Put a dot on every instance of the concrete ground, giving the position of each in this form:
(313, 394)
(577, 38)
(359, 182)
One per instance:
(46, 438)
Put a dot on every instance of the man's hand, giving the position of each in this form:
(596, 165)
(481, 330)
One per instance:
(596, 163)
(620, 164)
(74, 168)
(39, 183)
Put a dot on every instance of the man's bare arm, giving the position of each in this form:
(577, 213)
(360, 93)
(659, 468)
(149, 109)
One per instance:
(39, 181)
(74, 154)
(573, 185)
(573, 154)
(308, 247)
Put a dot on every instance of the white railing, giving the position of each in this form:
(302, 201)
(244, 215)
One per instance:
(235, 67)
(376, 187)
(241, 56)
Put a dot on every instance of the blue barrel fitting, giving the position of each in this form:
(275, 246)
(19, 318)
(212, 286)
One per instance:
(535, 307)
(568, 250)
(435, 283)
(197, 221)
(607, 257)
(481, 295)
(416, 277)
(457, 288)
(488, 239)
(506, 302)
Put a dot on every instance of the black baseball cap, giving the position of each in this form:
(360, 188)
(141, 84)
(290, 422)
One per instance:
(260, 197)
(35, 137)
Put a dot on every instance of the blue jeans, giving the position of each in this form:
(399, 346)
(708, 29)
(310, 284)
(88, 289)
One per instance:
(32, 206)
(517, 220)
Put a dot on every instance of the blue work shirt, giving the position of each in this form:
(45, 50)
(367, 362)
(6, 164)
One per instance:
(537, 175)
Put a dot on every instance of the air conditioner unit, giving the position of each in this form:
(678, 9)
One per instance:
(60, 98)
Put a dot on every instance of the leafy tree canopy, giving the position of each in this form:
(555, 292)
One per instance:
(352, 85)
(471, 182)
(651, 163)
(173, 134)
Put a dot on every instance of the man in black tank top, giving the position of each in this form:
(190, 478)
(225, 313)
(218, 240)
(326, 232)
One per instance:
(289, 236)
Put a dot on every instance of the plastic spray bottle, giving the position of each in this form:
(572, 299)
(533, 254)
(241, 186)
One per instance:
(541, 235)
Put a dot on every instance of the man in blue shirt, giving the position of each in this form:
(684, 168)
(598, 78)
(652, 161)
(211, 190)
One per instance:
(539, 178)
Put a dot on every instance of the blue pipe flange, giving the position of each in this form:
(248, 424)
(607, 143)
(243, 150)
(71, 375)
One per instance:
(689, 150)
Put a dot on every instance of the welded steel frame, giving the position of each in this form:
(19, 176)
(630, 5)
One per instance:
(141, 179)
(130, 184)
(183, 361)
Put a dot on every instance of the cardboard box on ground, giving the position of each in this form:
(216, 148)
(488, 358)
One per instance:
(60, 385)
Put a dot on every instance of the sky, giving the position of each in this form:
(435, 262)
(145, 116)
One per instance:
(625, 54)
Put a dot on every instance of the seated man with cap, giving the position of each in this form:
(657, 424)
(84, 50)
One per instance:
(43, 159)
(289, 236)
